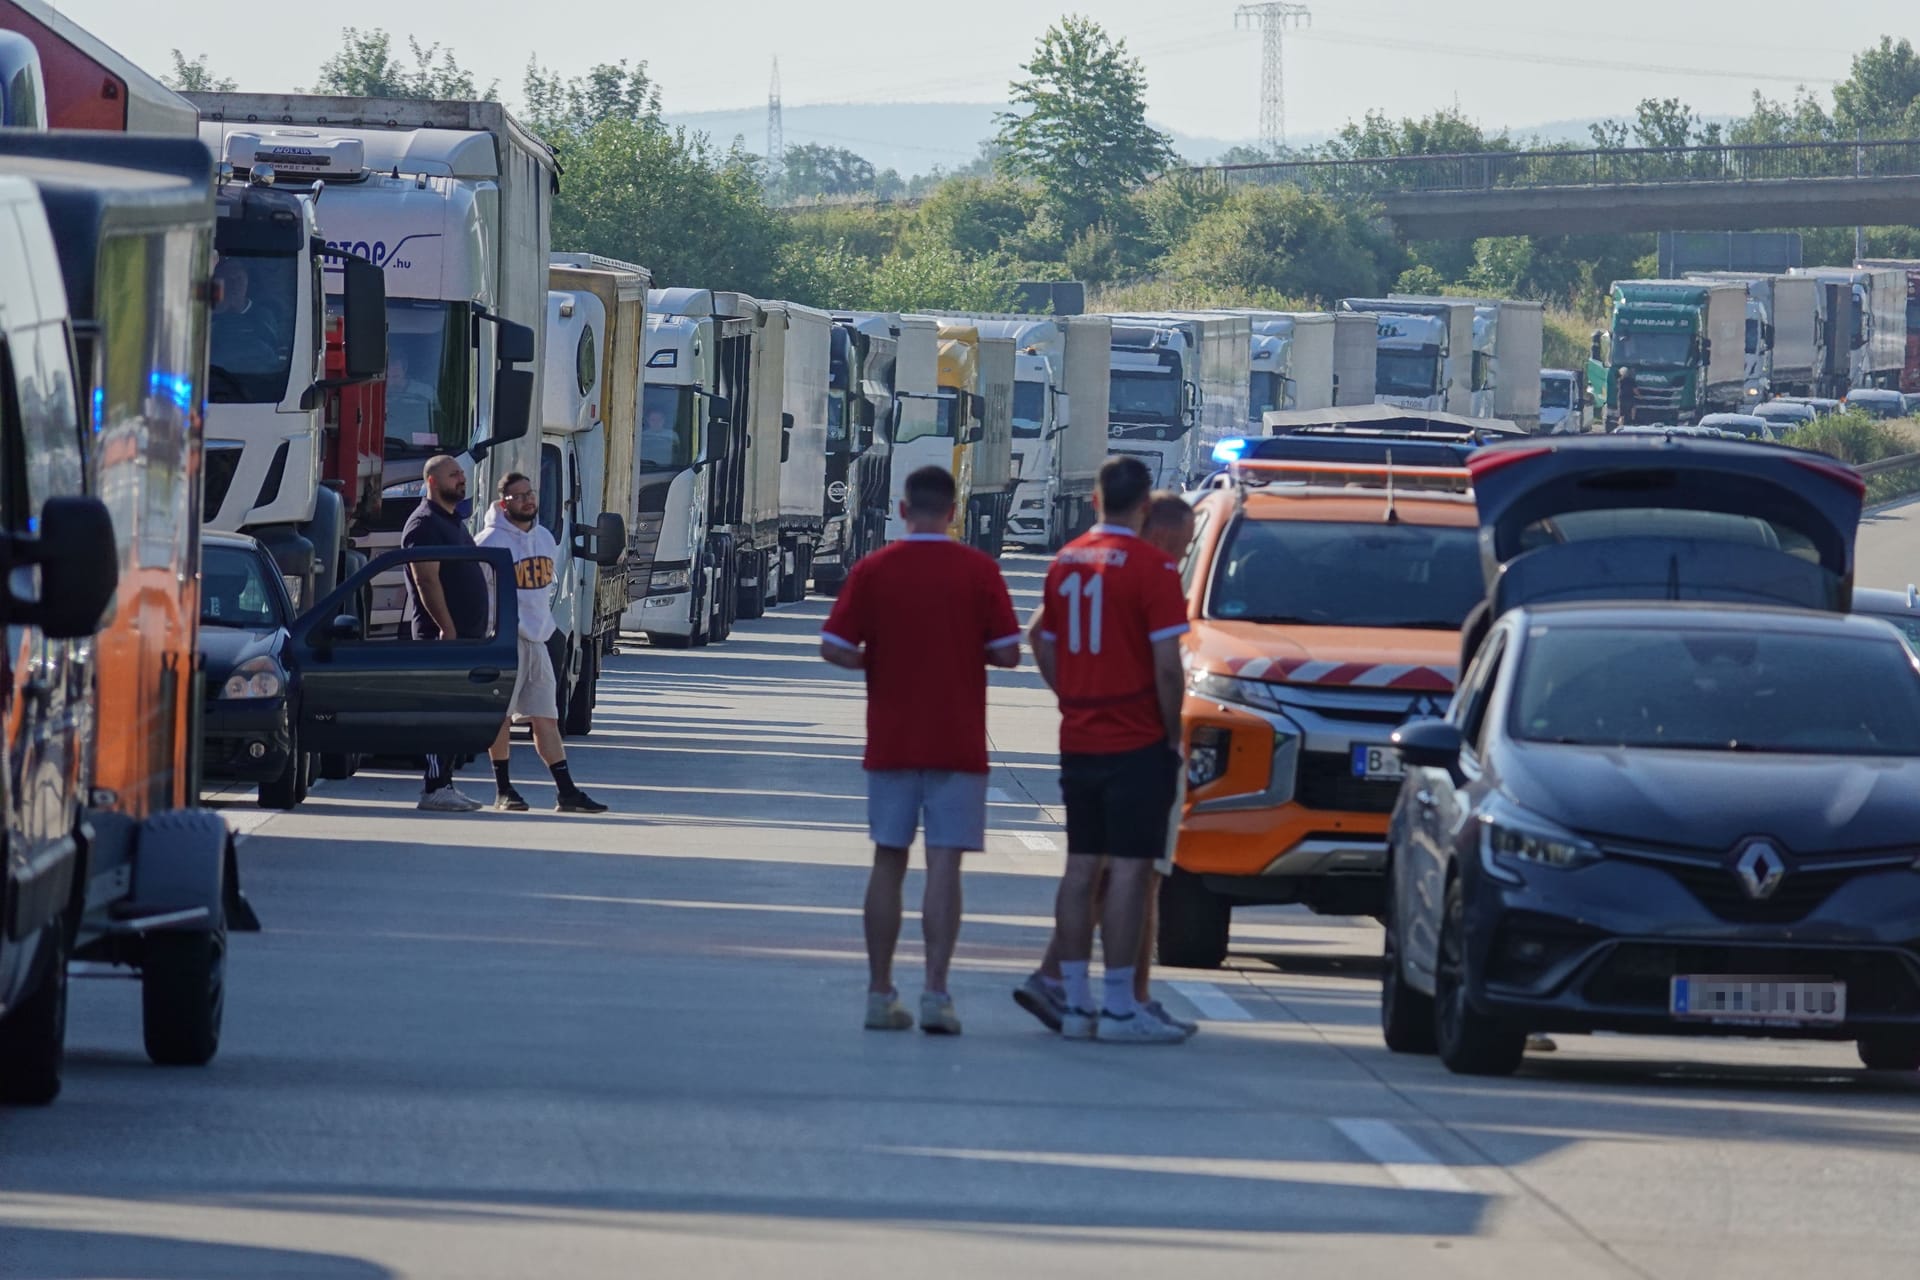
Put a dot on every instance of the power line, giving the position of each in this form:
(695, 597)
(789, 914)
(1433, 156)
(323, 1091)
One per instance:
(1272, 17)
(776, 128)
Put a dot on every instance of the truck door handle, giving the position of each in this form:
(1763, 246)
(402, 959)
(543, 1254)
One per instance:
(484, 675)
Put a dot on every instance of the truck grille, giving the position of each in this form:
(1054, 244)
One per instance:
(1325, 781)
(643, 542)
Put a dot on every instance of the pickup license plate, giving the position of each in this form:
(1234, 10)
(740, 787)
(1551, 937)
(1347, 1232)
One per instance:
(1786, 1002)
(1378, 764)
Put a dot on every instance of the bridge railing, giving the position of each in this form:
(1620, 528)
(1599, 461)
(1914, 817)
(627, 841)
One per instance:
(1599, 167)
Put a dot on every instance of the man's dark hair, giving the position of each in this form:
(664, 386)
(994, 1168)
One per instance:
(1124, 485)
(511, 479)
(1165, 507)
(930, 491)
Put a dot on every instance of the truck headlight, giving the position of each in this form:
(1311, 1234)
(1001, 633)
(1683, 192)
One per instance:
(261, 677)
(1033, 504)
(671, 579)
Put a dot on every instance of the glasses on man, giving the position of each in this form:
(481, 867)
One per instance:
(520, 495)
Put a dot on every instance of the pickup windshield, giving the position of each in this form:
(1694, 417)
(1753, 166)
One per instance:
(250, 347)
(666, 429)
(1419, 577)
(1714, 690)
(429, 364)
(1661, 349)
(1407, 373)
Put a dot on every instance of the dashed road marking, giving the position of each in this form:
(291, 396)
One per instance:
(1406, 1161)
(998, 796)
(1213, 1003)
(1039, 844)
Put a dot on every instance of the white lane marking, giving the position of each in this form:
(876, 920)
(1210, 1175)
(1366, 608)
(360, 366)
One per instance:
(998, 796)
(1039, 844)
(1213, 1003)
(1406, 1161)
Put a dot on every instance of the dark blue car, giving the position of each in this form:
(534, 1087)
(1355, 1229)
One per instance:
(1677, 789)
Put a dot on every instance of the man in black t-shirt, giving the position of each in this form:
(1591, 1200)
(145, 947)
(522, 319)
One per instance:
(445, 599)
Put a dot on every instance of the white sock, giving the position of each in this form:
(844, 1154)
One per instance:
(1119, 993)
(1074, 974)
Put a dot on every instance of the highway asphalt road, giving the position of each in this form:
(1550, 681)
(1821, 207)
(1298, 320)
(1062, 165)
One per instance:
(521, 1045)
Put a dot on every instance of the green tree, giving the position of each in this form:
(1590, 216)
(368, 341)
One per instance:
(976, 216)
(1878, 96)
(1444, 133)
(934, 279)
(194, 77)
(558, 105)
(365, 66)
(1079, 127)
(813, 171)
(1289, 242)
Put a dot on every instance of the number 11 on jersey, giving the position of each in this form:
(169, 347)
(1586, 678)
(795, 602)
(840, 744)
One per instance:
(1089, 591)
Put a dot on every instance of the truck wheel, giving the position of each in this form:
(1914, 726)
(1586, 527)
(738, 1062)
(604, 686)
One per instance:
(751, 597)
(287, 790)
(33, 1038)
(579, 705)
(1194, 922)
(183, 996)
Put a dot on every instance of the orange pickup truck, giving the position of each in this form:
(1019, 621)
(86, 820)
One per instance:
(1327, 599)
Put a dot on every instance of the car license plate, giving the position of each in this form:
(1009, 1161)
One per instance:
(1378, 764)
(1759, 1001)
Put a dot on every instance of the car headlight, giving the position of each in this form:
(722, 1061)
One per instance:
(261, 677)
(1504, 843)
(670, 579)
(1246, 693)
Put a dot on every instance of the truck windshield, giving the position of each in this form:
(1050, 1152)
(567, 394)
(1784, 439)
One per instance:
(1141, 395)
(1753, 337)
(1416, 577)
(1658, 349)
(1556, 393)
(1788, 692)
(837, 421)
(1029, 409)
(429, 362)
(1407, 373)
(250, 352)
(1263, 394)
(666, 429)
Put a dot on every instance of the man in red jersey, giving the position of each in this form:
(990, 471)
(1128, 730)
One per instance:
(1107, 642)
(923, 618)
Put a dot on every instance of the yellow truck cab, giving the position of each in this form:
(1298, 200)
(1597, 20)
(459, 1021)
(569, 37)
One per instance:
(961, 412)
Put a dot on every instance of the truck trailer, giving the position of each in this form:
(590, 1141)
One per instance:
(861, 406)
(1792, 332)
(1509, 339)
(1876, 330)
(803, 450)
(1910, 373)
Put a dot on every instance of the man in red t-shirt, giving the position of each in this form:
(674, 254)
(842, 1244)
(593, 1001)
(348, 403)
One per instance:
(1107, 642)
(923, 618)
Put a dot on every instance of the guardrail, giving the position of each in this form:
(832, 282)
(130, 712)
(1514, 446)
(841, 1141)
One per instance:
(1598, 167)
(1895, 463)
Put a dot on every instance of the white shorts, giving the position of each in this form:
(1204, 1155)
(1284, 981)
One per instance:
(534, 693)
(955, 805)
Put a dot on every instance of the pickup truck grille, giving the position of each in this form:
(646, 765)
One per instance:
(1326, 781)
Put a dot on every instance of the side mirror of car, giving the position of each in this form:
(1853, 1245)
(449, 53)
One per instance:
(1429, 744)
(345, 628)
(79, 567)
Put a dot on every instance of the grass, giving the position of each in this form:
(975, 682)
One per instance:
(1858, 439)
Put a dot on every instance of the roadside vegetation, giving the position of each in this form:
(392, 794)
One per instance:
(1858, 439)
(1075, 185)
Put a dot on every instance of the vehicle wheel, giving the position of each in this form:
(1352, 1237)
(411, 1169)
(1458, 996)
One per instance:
(33, 1038)
(579, 705)
(1406, 1015)
(1890, 1051)
(1194, 923)
(183, 996)
(726, 597)
(286, 790)
(1469, 1042)
(750, 599)
(661, 640)
(335, 766)
(802, 571)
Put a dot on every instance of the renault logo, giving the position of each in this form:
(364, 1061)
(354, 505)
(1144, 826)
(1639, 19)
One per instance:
(1761, 869)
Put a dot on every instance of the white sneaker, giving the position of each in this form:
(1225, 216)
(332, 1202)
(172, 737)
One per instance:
(1078, 1024)
(1139, 1027)
(448, 800)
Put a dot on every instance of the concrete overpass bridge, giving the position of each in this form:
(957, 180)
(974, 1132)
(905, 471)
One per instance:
(1593, 192)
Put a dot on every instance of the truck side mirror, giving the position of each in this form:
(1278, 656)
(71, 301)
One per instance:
(512, 408)
(786, 435)
(516, 344)
(364, 293)
(79, 569)
(604, 542)
(1062, 411)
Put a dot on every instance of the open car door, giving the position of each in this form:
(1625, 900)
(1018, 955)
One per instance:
(400, 696)
(1647, 518)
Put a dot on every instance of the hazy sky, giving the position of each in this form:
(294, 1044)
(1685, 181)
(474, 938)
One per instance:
(1505, 62)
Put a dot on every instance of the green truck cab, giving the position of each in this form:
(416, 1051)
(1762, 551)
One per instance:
(1673, 352)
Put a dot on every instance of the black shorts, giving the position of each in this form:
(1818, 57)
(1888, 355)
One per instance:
(1118, 804)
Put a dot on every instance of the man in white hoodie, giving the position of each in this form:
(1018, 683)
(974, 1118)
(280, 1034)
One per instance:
(514, 523)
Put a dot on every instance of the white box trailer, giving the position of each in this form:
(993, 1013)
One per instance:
(1304, 363)
(1356, 342)
(807, 369)
(1223, 341)
(917, 436)
(1509, 347)
(1793, 313)
(1876, 329)
(1433, 360)
(1088, 349)
(756, 521)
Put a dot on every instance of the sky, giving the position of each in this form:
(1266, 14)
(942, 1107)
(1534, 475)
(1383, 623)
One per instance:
(1503, 62)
